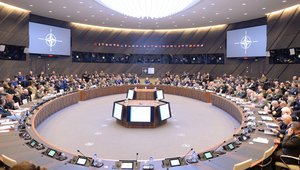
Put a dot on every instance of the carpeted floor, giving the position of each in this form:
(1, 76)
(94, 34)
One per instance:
(88, 126)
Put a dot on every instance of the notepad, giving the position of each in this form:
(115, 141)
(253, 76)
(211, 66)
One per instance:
(271, 125)
(261, 140)
(261, 112)
(266, 118)
(6, 127)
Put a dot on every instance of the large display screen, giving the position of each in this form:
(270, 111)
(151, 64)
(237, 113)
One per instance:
(140, 114)
(247, 42)
(117, 111)
(159, 95)
(130, 94)
(164, 111)
(46, 39)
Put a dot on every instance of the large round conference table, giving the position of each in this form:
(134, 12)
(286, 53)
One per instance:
(14, 147)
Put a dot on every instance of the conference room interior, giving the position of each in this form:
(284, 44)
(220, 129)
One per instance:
(215, 85)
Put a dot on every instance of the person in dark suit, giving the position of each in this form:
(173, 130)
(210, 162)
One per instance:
(290, 145)
(275, 109)
(5, 113)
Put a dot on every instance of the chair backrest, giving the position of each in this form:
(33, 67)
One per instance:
(8, 161)
(243, 165)
(268, 153)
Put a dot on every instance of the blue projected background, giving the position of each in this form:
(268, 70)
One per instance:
(248, 42)
(46, 39)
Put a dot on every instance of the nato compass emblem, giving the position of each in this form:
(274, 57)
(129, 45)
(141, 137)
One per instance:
(50, 40)
(246, 42)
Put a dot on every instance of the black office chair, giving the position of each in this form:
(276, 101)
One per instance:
(285, 158)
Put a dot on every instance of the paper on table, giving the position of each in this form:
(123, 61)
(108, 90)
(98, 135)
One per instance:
(9, 123)
(6, 127)
(271, 124)
(268, 118)
(261, 140)
(261, 112)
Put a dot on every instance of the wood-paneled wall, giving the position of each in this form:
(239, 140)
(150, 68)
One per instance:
(283, 32)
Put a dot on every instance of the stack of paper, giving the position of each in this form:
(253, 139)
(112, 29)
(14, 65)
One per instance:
(261, 140)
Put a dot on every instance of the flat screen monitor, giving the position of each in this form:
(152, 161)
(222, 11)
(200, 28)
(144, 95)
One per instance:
(51, 40)
(159, 95)
(208, 155)
(33, 143)
(174, 162)
(130, 94)
(81, 161)
(127, 165)
(231, 146)
(247, 42)
(51, 152)
(140, 114)
(117, 111)
(164, 111)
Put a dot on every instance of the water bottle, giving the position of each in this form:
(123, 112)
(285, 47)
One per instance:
(150, 160)
(194, 157)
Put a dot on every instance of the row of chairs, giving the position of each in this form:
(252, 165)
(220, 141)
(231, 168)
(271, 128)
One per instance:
(9, 162)
(267, 160)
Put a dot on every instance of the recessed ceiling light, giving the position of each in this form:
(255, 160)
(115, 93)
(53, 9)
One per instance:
(284, 1)
(92, 15)
(245, 14)
(212, 4)
(204, 8)
(243, 3)
(227, 18)
(112, 14)
(210, 21)
(81, 2)
(217, 13)
(68, 16)
(49, 11)
(31, 5)
(64, 7)
(203, 17)
(50, 2)
(78, 12)
(90, 6)
(230, 9)
(263, 8)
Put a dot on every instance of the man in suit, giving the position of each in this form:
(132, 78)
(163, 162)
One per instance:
(290, 145)
(275, 109)
(5, 113)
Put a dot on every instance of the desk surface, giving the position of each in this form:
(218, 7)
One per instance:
(14, 146)
(141, 103)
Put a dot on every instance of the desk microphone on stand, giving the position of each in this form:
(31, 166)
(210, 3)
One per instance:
(136, 160)
(188, 152)
(80, 152)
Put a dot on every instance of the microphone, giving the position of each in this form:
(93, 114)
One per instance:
(136, 159)
(188, 152)
(80, 152)
(216, 150)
